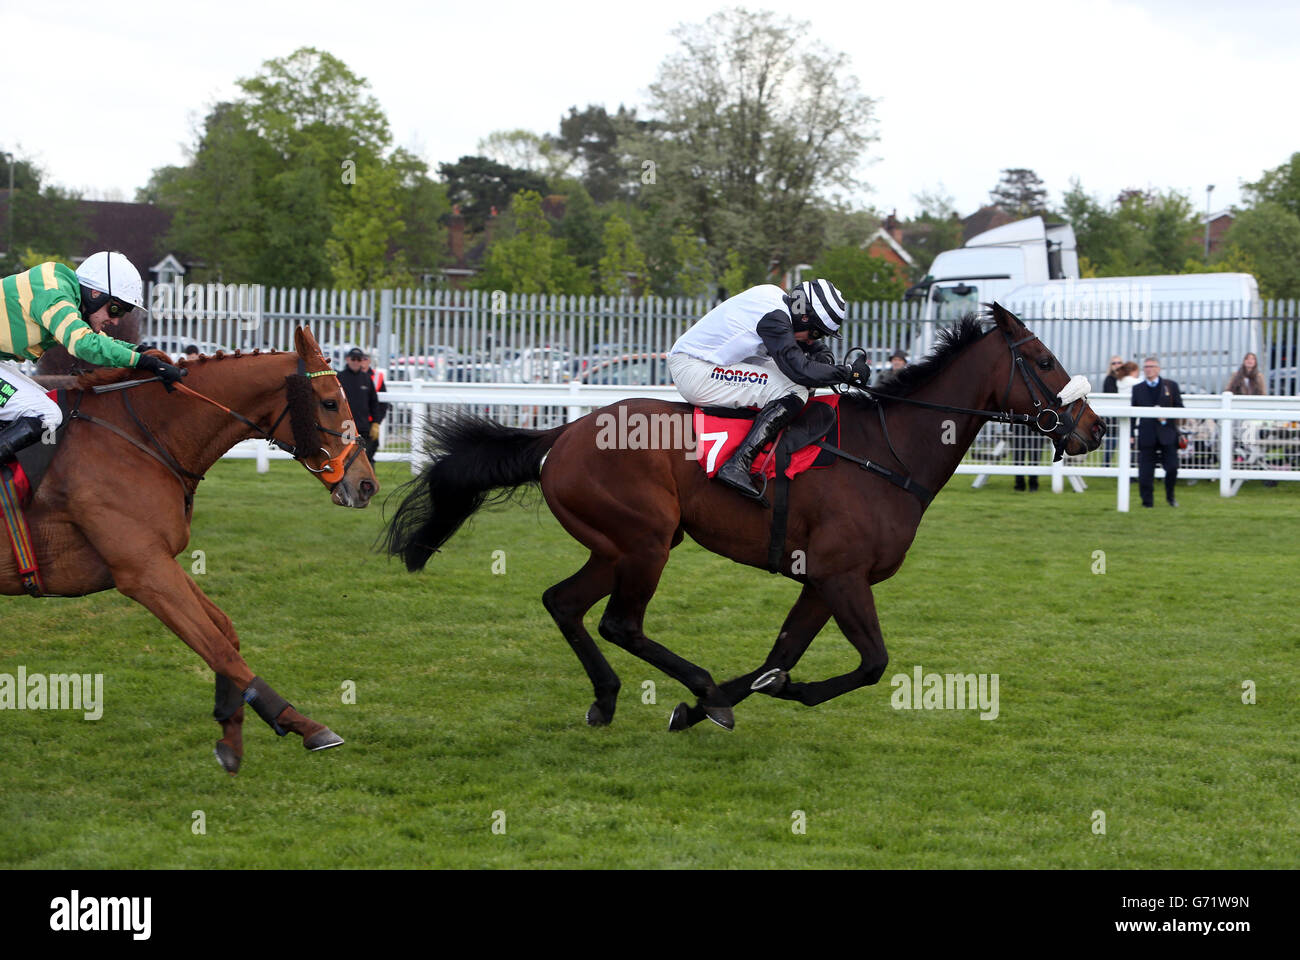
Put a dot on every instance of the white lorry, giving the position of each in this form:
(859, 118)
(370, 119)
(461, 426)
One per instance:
(1199, 325)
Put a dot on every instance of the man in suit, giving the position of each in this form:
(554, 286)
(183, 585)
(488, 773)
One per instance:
(1156, 437)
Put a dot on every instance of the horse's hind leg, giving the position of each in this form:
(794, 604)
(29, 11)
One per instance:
(636, 577)
(568, 602)
(802, 624)
(850, 601)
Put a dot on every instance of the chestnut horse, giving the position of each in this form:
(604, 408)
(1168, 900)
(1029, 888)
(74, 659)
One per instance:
(848, 528)
(114, 507)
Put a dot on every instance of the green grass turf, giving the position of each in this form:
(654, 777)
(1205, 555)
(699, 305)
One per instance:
(1119, 692)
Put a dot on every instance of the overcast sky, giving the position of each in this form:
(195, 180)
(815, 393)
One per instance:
(1120, 93)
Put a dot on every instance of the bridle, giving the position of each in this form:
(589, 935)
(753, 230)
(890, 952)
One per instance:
(1065, 413)
(333, 468)
(331, 471)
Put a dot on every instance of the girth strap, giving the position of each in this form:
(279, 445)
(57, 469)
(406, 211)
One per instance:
(780, 504)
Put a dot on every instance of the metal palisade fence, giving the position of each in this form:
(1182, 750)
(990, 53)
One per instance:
(495, 337)
(491, 337)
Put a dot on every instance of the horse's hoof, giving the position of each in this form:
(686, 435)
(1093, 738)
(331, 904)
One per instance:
(227, 757)
(678, 719)
(597, 717)
(322, 739)
(722, 716)
(772, 681)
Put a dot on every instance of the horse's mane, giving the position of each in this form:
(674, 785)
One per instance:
(103, 375)
(950, 342)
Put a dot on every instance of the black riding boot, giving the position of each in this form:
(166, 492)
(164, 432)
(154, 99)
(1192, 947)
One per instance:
(767, 424)
(23, 432)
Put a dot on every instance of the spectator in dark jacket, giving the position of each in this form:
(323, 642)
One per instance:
(1156, 437)
(361, 397)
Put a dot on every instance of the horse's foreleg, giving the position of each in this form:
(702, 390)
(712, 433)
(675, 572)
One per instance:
(169, 594)
(636, 577)
(850, 601)
(568, 602)
(229, 708)
(804, 621)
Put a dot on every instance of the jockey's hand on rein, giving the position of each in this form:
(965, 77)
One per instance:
(857, 374)
(165, 371)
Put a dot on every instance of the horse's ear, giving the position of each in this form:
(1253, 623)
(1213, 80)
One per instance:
(306, 344)
(1005, 318)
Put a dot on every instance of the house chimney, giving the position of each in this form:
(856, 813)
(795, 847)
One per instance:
(456, 237)
(894, 228)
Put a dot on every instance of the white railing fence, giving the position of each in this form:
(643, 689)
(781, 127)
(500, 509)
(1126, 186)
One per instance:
(1230, 439)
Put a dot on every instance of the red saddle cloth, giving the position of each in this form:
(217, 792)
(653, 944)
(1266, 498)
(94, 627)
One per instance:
(21, 485)
(718, 437)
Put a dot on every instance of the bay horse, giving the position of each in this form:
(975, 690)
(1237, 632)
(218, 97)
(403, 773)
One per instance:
(848, 528)
(114, 507)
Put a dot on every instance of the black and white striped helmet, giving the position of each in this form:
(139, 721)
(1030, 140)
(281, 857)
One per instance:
(823, 305)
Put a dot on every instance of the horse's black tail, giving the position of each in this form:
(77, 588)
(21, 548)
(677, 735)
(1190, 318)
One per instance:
(471, 457)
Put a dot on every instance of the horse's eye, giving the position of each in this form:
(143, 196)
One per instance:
(1045, 363)
(330, 404)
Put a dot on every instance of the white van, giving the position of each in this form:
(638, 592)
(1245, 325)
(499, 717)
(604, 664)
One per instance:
(1199, 325)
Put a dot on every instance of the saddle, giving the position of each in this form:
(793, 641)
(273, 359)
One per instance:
(719, 431)
(19, 481)
(799, 447)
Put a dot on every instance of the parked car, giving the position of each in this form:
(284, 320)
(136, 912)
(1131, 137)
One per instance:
(439, 362)
(539, 365)
(632, 369)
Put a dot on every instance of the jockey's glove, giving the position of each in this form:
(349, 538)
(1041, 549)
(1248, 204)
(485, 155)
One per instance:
(167, 373)
(854, 374)
(374, 431)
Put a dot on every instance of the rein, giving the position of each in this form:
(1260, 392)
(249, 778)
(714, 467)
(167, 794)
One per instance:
(1062, 424)
(332, 472)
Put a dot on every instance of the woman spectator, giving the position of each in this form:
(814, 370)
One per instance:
(1248, 381)
(1127, 374)
(1109, 385)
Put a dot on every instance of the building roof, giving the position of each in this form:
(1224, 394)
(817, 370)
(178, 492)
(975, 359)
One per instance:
(985, 218)
(882, 235)
(133, 229)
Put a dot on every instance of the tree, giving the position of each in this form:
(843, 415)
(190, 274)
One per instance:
(934, 229)
(1020, 192)
(45, 218)
(530, 260)
(592, 137)
(859, 275)
(694, 276)
(580, 228)
(270, 190)
(478, 184)
(623, 258)
(358, 245)
(1142, 232)
(525, 150)
(734, 278)
(749, 131)
(1280, 185)
(1268, 235)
